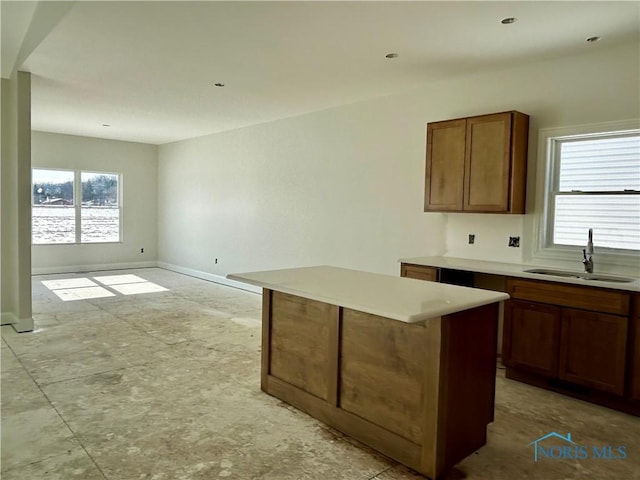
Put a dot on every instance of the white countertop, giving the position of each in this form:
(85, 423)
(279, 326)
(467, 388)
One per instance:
(403, 299)
(517, 270)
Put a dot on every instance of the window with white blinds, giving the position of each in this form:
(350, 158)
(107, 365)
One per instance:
(595, 184)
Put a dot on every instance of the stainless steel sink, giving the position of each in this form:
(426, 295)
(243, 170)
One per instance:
(592, 277)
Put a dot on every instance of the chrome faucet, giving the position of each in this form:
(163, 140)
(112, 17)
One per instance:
(587, 253)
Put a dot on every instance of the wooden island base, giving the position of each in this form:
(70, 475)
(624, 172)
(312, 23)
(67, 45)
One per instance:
(420, 393)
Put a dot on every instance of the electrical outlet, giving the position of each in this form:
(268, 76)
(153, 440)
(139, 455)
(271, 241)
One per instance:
(514, 242)
(472, 239)
(216, 262)
(142, 250)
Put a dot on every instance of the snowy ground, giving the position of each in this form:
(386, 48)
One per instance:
(57, 224)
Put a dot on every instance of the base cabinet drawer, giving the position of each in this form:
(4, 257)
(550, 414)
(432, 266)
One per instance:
(571, 296)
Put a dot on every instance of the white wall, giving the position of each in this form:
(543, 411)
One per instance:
(328, 188)
(345, 186)
(137, 163)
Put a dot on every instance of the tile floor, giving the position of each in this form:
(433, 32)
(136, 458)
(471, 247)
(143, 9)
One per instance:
(165, 386)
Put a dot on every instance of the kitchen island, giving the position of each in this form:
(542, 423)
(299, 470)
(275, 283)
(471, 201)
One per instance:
(405, 366)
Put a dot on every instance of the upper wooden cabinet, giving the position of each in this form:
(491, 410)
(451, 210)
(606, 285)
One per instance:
(477, 164)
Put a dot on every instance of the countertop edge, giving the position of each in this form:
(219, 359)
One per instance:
(417, 318)
(513, 270)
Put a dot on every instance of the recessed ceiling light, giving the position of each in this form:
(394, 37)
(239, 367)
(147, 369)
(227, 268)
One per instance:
(219, 84)
(392, 55)
(593, 39)
(508, 20)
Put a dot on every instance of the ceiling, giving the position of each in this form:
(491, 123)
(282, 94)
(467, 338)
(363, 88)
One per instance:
(148, 69)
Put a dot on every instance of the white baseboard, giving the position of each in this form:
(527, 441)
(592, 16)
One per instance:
(210, 277)
(167, 266)
(92, 268)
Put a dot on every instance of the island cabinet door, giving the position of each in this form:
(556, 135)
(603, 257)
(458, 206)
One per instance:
(297, 348)
(531, 337)
(381, 372)
(593, 349)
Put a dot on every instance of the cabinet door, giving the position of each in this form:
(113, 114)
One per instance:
(299, 342)
(531, 337)
(419, 272)
(634, 374)
(487, 163)
(444, 181)
(593, 349)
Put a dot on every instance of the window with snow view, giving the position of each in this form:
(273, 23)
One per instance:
(75, 207)
(100, 210)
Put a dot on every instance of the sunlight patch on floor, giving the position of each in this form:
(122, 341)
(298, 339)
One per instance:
(119, 279)
(82, 293)
(84, 288)
(137, 288)
(68, 283)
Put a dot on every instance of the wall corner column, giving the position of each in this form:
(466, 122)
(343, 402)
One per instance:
(24, 312)
(16, 202)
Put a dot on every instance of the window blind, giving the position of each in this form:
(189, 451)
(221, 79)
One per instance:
(598, 186)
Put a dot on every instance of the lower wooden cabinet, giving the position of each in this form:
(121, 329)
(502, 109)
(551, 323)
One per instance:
(634, 345)
(421, 393)
(578, 340)
(573, 339)
(419, 272)
(578, 346)
(531, 337)
(593, 349)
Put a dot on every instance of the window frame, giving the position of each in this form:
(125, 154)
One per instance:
(77, 205)
(544, 250)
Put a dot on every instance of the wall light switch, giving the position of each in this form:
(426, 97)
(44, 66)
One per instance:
(472, 239)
